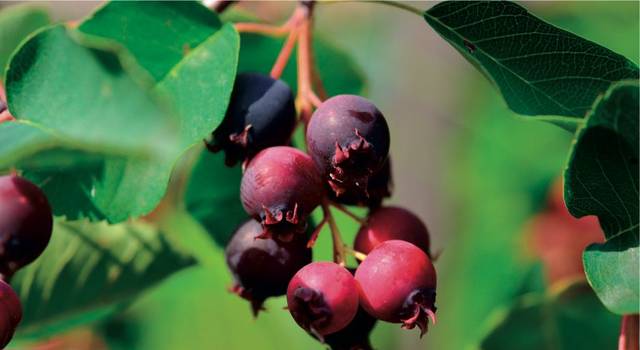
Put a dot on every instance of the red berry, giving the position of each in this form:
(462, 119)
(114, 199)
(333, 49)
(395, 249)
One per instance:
(348, 139)
(387, 223)
(26, 223)
(280, 188)
(10, 313)
(262, 268)
(261, 114)
(323, 298)
(398, 284)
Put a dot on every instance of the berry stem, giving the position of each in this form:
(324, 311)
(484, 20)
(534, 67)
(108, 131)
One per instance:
(629, 333)
(349, 213)
(395, 4)
(316, 232)
(264, 29)
(338, 245)
(356, 254)
(285, 54)
(304, 68)
(314, 99)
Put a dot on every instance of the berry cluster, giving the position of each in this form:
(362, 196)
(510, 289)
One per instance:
(26, 223)
(347, 163)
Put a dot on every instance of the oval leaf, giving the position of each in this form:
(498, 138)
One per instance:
(538, 68)
(602, 179)
(89, 268)
(16, 23)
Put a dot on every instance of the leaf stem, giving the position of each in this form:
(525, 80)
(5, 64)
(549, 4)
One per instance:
(395, 4)
(629, 333)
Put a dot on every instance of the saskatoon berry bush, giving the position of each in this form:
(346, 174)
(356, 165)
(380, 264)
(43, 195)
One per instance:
(174, 174)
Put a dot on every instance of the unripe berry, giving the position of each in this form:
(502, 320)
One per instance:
(322, 298)
(262, 268)
(261, 114)
(10, 313)
(398, 284)
(25, 223)
(348, 139)
(280, 188)
(387, 223)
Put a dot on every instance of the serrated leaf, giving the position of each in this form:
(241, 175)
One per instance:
(573, 319)
(86, 90)
(538, 68)
(89, 268)
(602, 179)
(339, 73)
(213, 196)
(16, 23)
(191, 56)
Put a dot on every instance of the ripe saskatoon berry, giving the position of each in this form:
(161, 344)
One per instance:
(378, 188)
(322, 298)
(262, 268)
(25, 223)
(387, 223)
(10, 313)
(411, 300)
(348, 139)
(261, 114)
(280, 188)
(354, 336)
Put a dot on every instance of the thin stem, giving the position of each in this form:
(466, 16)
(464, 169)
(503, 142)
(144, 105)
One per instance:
(304, 69)
(284, 55)
(628, 333)
(314, 99)
(338, 245)
(316, 233)
(6, 116)
(395, 4)
(264, 29)
(349, 213)
(356, 254)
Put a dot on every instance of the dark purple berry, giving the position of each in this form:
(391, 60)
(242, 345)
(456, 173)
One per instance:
(281, 187)
(398, 284)
(261, 114)
(25, 223)
(348, 139)
(323, 298)
(262, 268)
(10, 313)
(388, 223)
(378, 188)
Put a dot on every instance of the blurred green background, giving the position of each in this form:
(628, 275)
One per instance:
(471, 169)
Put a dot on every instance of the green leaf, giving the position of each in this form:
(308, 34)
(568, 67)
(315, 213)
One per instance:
(89, 269)
(613, 269)
(86, 90)
(213, 196)
(191, 56)
(602, 179)
(573, 319)
(16, 23)
(339, 73)
(538, 68)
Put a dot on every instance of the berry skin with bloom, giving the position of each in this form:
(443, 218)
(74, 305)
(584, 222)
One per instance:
(281, 187)
(10, 313)
(262, 268)
(323, 298)
(26, 223)
(261, 114)
(398, 284)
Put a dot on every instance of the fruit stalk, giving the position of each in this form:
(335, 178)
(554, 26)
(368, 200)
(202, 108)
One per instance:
(338, 245)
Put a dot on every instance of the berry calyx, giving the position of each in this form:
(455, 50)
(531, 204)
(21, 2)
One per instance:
(262, 268)
(26, 223)
(261, 114)
(10, 313)
(409, 270)
(348, 139)
(388, 223)
(379, 187)
(281, 187)
(322, 298)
